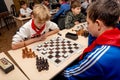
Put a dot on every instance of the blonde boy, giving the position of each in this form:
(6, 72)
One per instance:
(37, 29)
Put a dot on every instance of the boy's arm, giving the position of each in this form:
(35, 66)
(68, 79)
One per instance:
(32, 40)
(59, 12)
(52, 32)
(88, 68)
(25, 43)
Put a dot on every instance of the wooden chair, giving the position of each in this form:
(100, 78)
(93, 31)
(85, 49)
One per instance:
(7, 19)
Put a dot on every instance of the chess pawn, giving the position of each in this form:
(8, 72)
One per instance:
(30, 53)
(23, 53)
(36, 59)
(33, 54)
(26, 51)
(39, 64)
(43, 64)
(39, 68)
(46, 64)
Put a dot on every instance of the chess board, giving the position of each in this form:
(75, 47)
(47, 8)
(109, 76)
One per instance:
(58, 49)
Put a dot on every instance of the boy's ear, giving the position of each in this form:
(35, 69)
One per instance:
(98, 24)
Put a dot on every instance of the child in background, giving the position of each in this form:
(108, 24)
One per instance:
(74, 16)
(84, 6)
(62, 11)
(37, 29)
(46, 3)
(24, 10)
(32, 4)
(100, 60)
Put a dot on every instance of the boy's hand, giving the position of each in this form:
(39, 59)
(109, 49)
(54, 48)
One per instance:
(76, 22)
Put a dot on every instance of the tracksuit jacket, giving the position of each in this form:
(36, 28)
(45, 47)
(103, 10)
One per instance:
(100, 61)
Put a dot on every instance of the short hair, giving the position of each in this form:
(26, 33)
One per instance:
(22, 3)
(41, 13)
(108, 11)
(75, 3)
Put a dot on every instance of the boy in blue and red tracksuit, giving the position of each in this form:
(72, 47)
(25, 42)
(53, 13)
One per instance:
(65, 6)
(60, 15)
(101, 59)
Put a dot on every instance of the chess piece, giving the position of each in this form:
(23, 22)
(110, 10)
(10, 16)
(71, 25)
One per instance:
(23, 53)
(28, 53)
(80, 32)
(86, 33)
(46, 65)
(41, 63)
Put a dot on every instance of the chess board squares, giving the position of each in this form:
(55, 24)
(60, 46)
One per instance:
(58, 49)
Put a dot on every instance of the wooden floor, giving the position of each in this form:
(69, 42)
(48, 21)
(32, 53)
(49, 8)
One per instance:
(6, 37)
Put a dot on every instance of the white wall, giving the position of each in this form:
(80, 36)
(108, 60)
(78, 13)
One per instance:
(8, 3)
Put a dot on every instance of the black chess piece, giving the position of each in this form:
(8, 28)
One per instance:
(46, 67)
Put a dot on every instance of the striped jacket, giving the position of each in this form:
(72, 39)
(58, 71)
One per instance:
(102, 63)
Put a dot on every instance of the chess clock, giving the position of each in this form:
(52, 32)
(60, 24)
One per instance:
(6, 65)
(71, 36)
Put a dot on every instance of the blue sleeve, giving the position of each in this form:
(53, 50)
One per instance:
(90, 39)
(86, 69)
(59, 12)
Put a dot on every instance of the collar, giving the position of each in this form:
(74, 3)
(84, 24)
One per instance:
(38, 31)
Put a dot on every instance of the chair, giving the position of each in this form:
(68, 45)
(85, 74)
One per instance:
(13, 10)
(3, 17)
(8, 19)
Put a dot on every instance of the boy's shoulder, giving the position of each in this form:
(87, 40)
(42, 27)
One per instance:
(50, 23)
(27, 24)
(21, 9)
(65, 5)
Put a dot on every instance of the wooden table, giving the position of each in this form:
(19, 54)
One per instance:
(15, 74)
(28, 64)
(20, 21)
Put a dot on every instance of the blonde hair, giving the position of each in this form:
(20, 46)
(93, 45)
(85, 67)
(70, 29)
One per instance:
(41, 13)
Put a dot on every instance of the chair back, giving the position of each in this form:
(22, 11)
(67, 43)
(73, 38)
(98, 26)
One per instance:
(13, 10)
